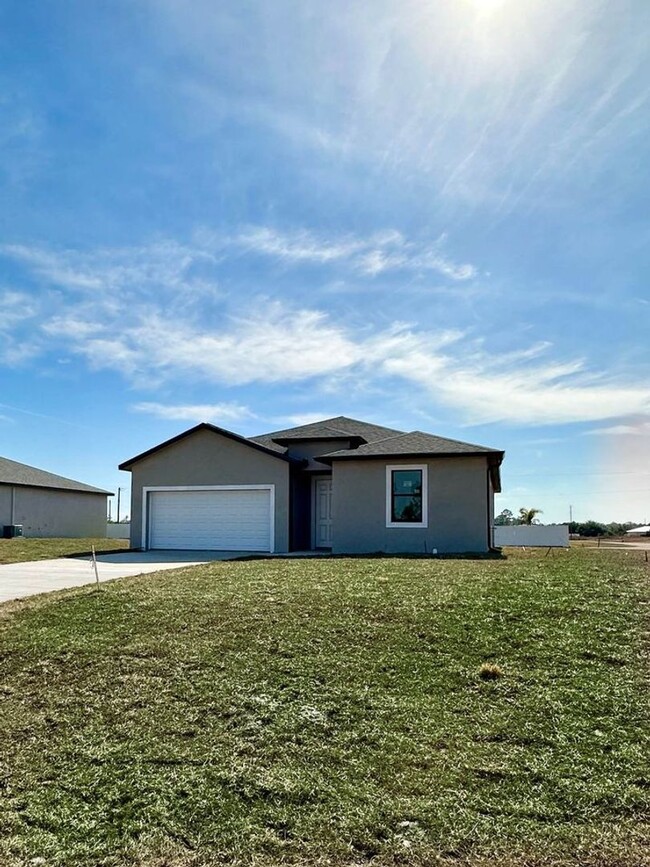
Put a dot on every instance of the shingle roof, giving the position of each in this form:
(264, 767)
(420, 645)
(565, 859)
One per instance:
(338, 427)
(413, 443)
(14, 473)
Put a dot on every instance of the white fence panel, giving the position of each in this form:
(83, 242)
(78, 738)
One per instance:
(118, 531)
(533, 536)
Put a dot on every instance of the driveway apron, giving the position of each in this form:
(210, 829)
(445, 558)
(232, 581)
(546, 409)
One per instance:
(18, 580)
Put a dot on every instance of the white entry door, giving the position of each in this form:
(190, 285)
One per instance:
(323, 512)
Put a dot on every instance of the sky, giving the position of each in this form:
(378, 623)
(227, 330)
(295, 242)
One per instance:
(429, 214)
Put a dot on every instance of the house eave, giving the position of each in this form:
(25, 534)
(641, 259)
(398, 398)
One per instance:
(96, 491)
(328, 459)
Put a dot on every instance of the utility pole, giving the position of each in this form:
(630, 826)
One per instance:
(118, 504)
(570, 514)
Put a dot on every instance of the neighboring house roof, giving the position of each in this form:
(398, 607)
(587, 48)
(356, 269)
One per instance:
(639, 531)
(14, 473)
(339, 427)
(276, 453)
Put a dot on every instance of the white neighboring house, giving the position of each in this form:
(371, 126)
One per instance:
(532, 536)
(639, 531)
(121, 530)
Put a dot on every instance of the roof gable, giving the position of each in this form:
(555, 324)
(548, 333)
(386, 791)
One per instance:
(276, 452)
(15, 473)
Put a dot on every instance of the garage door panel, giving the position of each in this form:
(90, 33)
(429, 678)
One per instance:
(227, 520)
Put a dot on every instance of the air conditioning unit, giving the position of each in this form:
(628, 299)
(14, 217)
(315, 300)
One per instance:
(10, 531)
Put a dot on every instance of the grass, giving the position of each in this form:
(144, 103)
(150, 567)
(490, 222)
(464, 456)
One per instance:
(21, 550)
(321, 712)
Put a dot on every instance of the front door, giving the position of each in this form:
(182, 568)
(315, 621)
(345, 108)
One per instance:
(323, 512)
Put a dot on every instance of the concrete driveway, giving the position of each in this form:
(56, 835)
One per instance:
(41, 576)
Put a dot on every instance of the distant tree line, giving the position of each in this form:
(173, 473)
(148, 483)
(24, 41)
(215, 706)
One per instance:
(578, 528)
(595, 528)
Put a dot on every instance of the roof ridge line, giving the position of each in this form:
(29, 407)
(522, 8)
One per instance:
(339, 431)
(325, 424)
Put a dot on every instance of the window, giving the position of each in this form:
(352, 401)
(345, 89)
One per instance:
(406, 496)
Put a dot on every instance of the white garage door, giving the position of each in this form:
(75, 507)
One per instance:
(235, 519)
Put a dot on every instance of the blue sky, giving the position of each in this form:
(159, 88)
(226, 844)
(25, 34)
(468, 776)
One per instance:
(430, 214)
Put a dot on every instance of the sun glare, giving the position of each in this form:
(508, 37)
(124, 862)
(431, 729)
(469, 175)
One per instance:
(487, 7)
(488, 4)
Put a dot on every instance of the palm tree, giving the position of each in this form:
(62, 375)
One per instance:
(527, 516)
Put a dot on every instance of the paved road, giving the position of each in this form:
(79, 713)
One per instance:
(41, 576)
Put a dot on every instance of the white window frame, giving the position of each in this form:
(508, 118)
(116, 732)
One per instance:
(407, 525)
(144, 544)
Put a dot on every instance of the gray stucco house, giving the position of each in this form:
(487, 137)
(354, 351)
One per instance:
(48, 505)
(339, 484)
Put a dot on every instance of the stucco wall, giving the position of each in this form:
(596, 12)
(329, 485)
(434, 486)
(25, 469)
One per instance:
(457, 499)
(207, 458)
(46, 512)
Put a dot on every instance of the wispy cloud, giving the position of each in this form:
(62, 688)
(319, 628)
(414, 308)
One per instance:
(112, 272)
(126, 313)
(637, 428)
(16, 308)
(297, 246)
(216, 412)
(53, 418)
(281, 344)
(381, 252)
(17, 343)
(273, 345)
(501, 104)
(22, 151)
(169, 266)
(487, 388)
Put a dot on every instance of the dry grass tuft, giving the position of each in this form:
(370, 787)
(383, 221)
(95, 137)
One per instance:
(490, 671)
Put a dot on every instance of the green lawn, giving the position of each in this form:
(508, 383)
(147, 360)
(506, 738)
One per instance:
(21, 550)
(331, 712)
